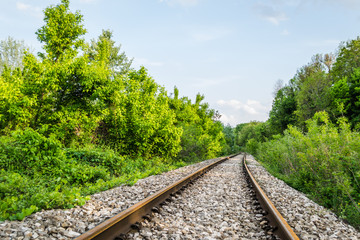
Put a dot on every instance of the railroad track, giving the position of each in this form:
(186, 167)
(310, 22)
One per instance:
(268, 222)
(278, 223)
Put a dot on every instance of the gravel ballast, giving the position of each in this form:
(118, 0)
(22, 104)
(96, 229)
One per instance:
(70, 223)
(227, 213)
(219, 205)
(308, 219)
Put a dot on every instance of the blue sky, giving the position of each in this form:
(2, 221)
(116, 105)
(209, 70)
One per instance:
(232, 51)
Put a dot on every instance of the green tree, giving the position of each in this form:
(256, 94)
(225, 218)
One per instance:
(203, 135)
(313, 95)
(307, 93)
(347, 59)
(252, 130)
(140, 121)
(230, 139)
(61, 32)
(283, 110)
(346, 87)
(76, 91)
(315, 65)
(104, 49)
(15, 106)
(60, 112)
(252, 134)
(346, 97)
(62, 93)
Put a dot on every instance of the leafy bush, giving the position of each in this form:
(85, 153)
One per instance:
(324, 163)
(36, 174)
(39, 173)
(30, 152)
(98, 157)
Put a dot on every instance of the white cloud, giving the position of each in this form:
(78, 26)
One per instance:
(251, 107)
(34, 11)
(270, 13)
(234, 111)
(229, 119)
(183, 3)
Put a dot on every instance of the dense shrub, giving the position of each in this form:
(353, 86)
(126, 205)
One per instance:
(39, 173)
(30, 152)
(202, 134)
(324, 163)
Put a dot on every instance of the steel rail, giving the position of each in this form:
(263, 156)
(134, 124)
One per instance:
(122, 222)
(276, 220)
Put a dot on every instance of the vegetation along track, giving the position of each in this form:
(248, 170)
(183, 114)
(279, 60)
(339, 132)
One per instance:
(220, 205)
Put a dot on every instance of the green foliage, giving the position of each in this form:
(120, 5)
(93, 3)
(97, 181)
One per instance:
(341, 97)
(313, 150)
(35, 174)
(92, 156)
(251, 134)
(140, 121)
(322, 162)
(28, 151)
(93, 97)
(15, 107)
(104, 49)
(39, 173)
(307, 140)
(329, 84)
(313, 95)
(78, 120)
(230, 139)
(283, 110)
(203, 135)
(308, 92)
(346, 100)
(347, 59)
(61, 32)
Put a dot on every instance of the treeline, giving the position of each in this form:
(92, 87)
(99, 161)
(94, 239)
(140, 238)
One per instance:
(77, 119)
(311, 138)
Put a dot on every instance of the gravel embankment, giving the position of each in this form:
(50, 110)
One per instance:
(70, 223)
(216, 206)
(308, 219)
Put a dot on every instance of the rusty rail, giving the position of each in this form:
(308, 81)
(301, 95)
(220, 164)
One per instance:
(122, 222)
(281, 227)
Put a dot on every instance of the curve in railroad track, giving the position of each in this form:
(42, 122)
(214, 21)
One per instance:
(123, 222)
